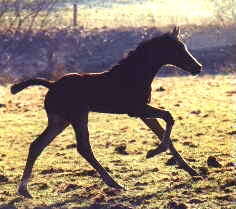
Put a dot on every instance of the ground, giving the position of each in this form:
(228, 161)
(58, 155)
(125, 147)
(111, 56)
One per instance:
(203, 110)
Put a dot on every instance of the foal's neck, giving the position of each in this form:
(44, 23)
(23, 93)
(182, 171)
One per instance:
(141, 72)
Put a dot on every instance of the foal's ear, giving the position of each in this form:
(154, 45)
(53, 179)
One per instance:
(175, 33)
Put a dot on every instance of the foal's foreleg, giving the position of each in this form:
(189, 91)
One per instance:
(151, 112)
(154, 125)
(55, 126)
(83, 146)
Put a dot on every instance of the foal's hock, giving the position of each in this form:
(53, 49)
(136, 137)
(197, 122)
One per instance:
(123, 89)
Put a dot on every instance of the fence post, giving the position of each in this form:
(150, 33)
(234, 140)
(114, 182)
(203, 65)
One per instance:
(75, 15)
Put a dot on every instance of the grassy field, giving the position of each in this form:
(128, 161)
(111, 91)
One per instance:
(103, 14)
(152, 13)
(203, 110)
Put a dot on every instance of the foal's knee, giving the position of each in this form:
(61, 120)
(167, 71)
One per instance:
(85, 151)
(79, 147)
(168, 118)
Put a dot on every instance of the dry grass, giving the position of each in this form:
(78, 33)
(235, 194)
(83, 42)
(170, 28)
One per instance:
(154, 13)
(203, 109)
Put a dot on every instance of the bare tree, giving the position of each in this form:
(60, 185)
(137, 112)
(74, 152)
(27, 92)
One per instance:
(19, 19)
(25, 14)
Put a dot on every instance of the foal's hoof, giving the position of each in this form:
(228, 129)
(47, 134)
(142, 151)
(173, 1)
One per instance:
(158, 150)
(117, 186)
(24, 192)
(113, 184)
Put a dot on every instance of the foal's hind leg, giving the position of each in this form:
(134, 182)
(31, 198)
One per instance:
(151, 112)
(55, 126)
(154, 125)
(83, 146)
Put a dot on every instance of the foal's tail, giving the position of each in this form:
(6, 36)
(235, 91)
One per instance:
(32, 82)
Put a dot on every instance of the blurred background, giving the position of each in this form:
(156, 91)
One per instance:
(48, 38)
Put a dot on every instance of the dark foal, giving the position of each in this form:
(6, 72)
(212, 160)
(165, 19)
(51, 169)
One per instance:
(123, 89)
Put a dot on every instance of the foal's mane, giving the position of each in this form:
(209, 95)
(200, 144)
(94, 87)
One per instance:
(134, 54)
(137, 54)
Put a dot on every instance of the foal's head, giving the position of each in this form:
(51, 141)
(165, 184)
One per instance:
(174, 51)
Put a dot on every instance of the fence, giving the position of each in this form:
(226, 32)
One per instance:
(151, 13)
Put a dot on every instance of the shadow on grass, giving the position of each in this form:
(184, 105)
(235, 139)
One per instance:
(109, 198)
(113, 201)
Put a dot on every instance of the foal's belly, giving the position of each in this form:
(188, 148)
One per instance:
(109, 108)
